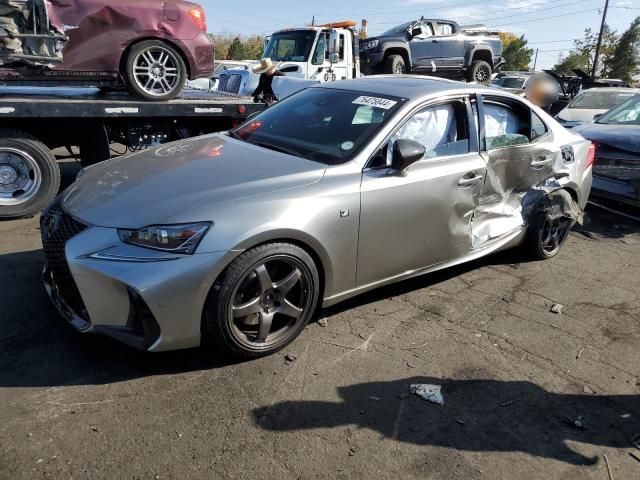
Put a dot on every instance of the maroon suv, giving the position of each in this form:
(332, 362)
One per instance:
(150, 46)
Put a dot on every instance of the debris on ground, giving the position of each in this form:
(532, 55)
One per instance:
(606, 460)
(290, 358)
(460, 422)
(410, 365)
(352, 451)
(557, 308)
(508, 404)
(586, 389)
(323, 322)
(577, 423)
(373, 397)
(430, 393)
(580, 354)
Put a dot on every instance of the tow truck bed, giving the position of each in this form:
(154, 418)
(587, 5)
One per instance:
(51, 102)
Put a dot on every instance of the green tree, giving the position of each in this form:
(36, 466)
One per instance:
(625, 62)
(515, 52)
(254, 47)
(237, 50)
(573, 60)
(582, 55)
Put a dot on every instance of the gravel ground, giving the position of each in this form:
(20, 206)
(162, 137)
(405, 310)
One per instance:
(514, 376)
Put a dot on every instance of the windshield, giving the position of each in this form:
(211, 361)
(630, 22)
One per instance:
(509, 82)
(399, 30)
(600, 100)
(293, 46)
(626, 114)
(321, 124)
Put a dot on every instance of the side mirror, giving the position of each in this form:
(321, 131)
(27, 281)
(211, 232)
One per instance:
(597, 117)
(334, 58)
(416, 32)
(334, 41)
(405, 153)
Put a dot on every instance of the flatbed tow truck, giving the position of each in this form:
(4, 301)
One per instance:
(36, 120)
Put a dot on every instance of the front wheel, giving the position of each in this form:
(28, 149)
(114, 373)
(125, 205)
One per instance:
(394, 64)
(262, 301)
(155, 71)
(480, 72)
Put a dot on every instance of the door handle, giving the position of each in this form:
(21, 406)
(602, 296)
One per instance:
(540, 163)
(469, 180)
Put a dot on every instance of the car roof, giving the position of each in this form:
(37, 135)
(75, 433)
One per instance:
(613, 89)
(412, 87)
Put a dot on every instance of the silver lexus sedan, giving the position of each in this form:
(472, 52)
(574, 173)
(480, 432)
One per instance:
(239, 237)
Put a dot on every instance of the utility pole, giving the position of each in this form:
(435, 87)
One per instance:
(602, 25)
(535, 62)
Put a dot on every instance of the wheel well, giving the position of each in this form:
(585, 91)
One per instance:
(484, 55)
(125, 54)
(398, 51)
(573, 193)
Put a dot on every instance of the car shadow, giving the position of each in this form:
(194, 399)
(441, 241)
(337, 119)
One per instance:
(478, 416)
(604, 224)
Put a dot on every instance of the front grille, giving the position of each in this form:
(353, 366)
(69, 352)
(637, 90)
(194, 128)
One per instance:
(230, 83)
(57, 228)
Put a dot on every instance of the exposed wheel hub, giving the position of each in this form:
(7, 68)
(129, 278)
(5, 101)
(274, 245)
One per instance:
(270, 300)
(8, 175)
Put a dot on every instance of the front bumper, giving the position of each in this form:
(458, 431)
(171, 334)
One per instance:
(146, 299)
(370, 62)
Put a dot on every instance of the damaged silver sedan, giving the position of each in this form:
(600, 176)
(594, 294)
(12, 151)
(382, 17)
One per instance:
(238, 238)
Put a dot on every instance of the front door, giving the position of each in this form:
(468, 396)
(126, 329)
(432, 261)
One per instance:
(452, 45)
(425, 48)
(420, 217)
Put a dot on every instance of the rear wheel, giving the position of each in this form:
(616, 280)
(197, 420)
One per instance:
(262, 301)
(29, 174)
(546, 235)
(155, 70)
(394, 64)
(480, 72)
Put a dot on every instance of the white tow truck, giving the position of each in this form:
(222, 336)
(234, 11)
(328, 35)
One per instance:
(320, 53)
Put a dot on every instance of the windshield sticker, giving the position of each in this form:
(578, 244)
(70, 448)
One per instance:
(346, 146)
(383, 103)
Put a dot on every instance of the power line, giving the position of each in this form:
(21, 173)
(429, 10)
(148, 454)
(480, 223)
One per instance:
(545, 18)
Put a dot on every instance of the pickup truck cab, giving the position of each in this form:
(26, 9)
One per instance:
(433, 47)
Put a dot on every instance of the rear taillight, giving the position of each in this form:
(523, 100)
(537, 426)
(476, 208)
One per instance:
(197, 16)
(591, 155)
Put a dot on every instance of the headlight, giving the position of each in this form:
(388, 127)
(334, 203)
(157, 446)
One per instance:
(369, 45)
(169, 238)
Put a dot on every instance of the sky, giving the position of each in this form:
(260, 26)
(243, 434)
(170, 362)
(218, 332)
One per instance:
(549, 25)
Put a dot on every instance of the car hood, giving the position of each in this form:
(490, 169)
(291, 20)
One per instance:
(381, 39)
(579, 114)
(169, 183)
(623, 137)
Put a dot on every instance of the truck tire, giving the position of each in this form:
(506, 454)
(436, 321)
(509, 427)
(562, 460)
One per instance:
(29, 174)
(155, 70)
(480, 72)
(394, 64)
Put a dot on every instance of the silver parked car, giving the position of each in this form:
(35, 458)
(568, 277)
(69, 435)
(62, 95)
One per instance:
(339, 189)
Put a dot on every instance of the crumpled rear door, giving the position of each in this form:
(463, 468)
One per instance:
(516, 166)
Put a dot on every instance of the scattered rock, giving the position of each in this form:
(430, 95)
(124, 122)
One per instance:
(557, 308)
(460, 422)
(29, 434)
(323, 322)
(430, 393)
(588, 390)
(352, 451)
(94, 428)
(577, 423)
(410, 365)
(290, 358)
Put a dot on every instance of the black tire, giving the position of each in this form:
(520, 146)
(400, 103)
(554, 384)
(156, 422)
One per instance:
(480, 72)
(219, 325)
(38, 162)
(394, 64)
(137, 84)
(536, 245)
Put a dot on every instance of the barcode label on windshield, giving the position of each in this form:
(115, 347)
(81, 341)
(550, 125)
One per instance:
(383, 103)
